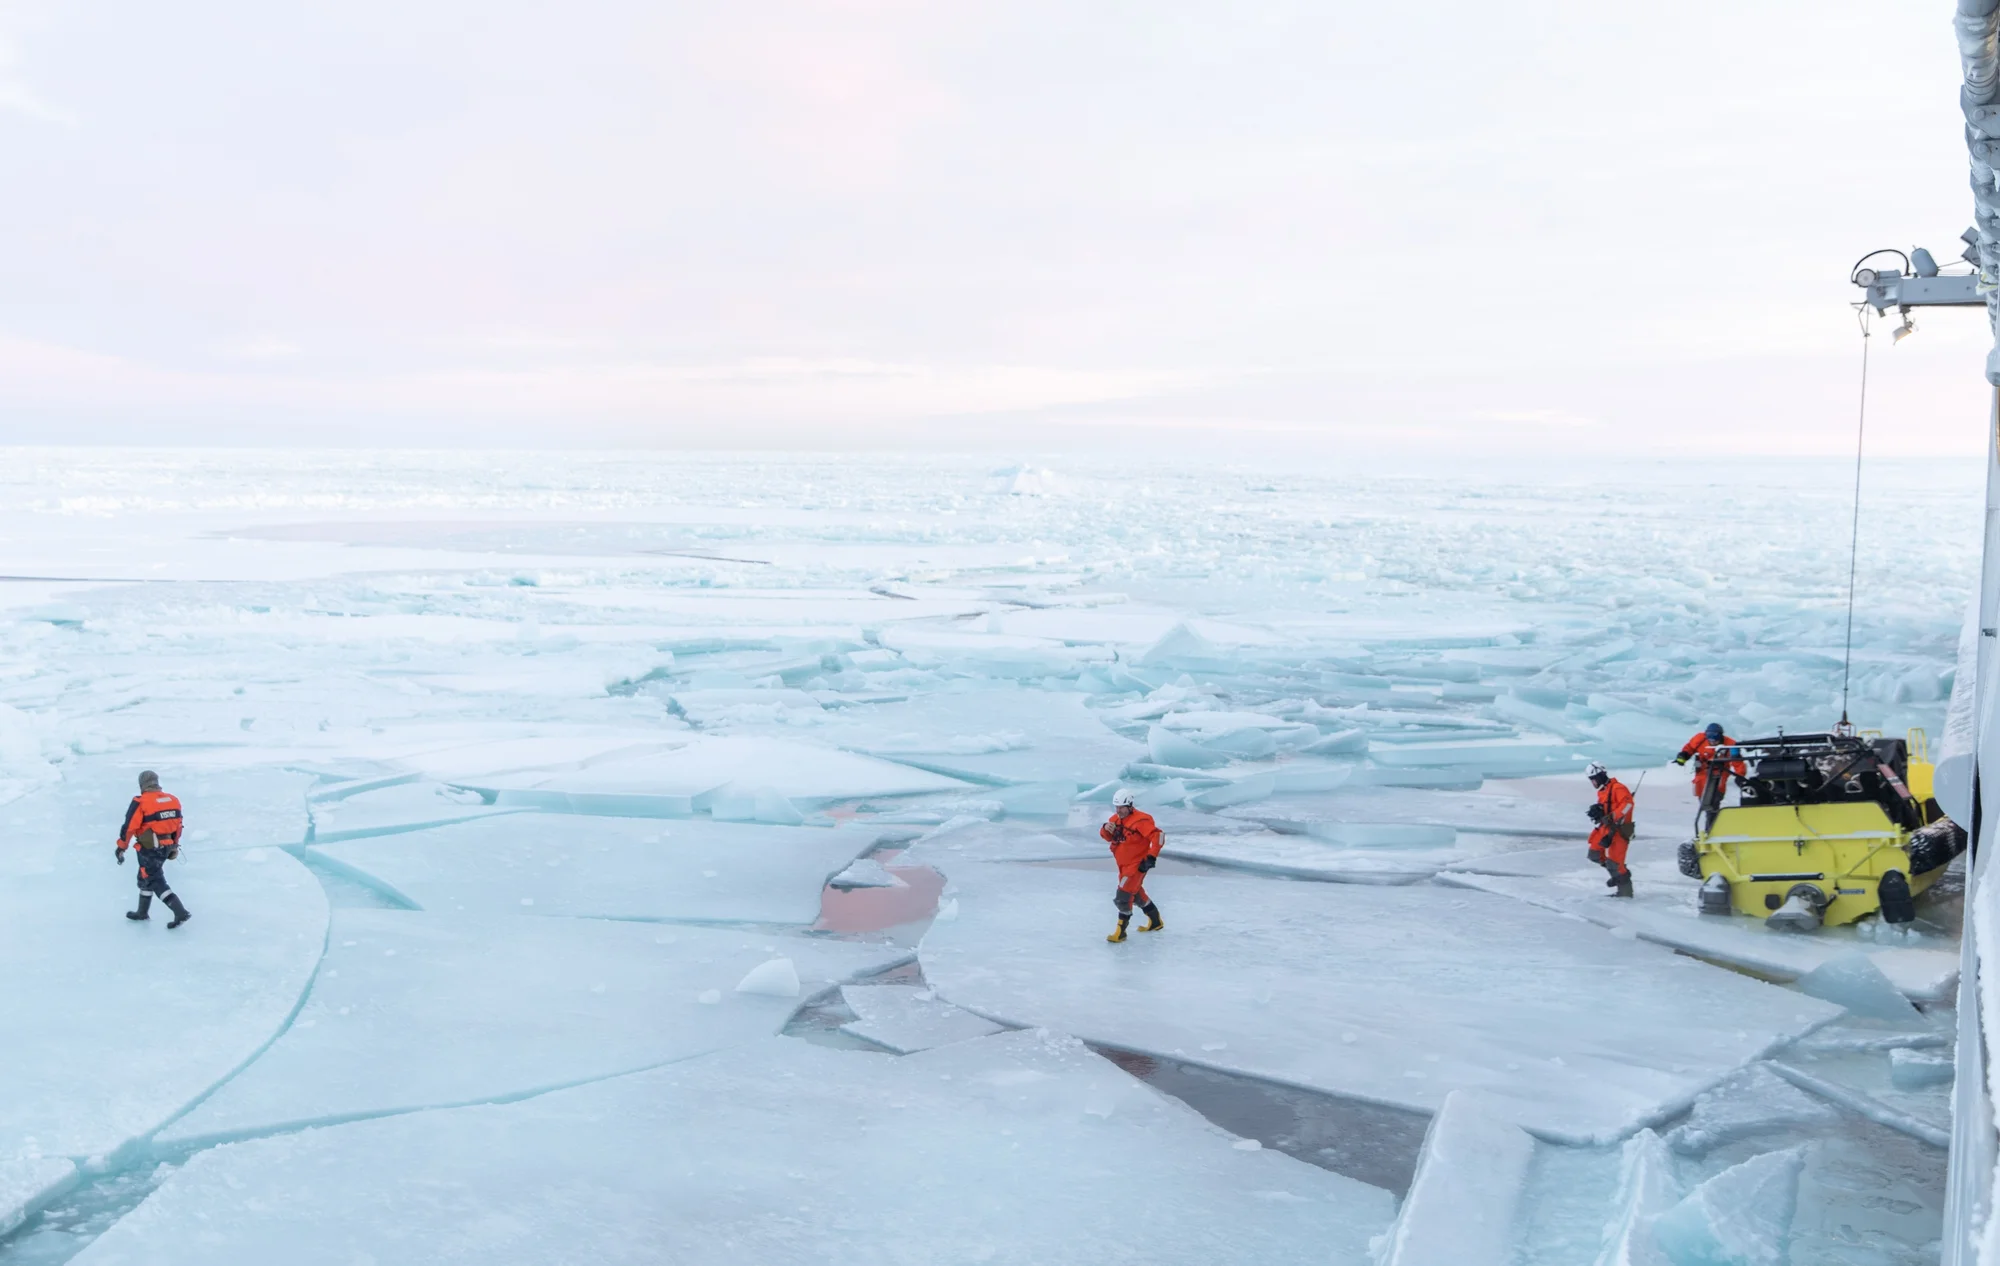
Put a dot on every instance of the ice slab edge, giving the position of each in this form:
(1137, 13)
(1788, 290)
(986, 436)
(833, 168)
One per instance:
(1469, 1180)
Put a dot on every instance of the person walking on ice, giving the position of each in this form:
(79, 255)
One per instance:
(1135, 842)
(153, 826)
(1611, 829)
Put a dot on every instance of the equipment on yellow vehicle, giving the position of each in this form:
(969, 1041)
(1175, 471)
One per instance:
(1829, 828)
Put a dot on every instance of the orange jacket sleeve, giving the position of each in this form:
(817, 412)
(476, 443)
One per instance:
(134, 820)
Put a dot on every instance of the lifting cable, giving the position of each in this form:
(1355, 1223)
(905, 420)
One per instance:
(1854, 536)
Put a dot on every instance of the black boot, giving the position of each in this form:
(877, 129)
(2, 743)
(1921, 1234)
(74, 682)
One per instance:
(1623, 888)
(1153, 921)
(145, 904)
(181, 914)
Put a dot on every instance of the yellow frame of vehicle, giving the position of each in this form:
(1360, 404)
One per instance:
(1842, 849)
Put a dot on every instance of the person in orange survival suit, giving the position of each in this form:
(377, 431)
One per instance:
(1612, 832)
(1135, 842)
(1705, 750)
(153, 826)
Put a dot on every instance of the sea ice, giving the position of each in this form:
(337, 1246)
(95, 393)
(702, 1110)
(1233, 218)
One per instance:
(28, 1183)
(1581, 1035)
(908, 1018)
(114, 1026)
(413, 1010)
(622, 868)
(1664, 912)
(778, 1152)
(1915, 1070)
(1751, 1102)
(1460, 1208)
(1740, 1217)
(1852, 980)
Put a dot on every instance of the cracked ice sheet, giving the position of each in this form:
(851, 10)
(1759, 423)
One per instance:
(1392, 995)
(615, 868)
(414, 1010)
(908, 1018)
(781, 1153)
(115, 1026)
(1021, 735)
(1664, 912)
(805, 773)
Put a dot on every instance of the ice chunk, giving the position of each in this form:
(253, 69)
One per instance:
(1853, 981)
(778, 978)
(89, 1067)
(415, 1010)
(1914, 1070)
(1646, 1189)
(1754, 1101)
(1169, 748)
(627, 868)
(29, 1183)
(866, 872)
(908, 1018)
(1740, 1217)
(1460, 1208)
(1243, 791)
(781, 1153)
(1023, 481)
(1182, 647)
(1581, 1035)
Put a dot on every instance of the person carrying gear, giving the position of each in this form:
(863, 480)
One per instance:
(1135, 842)
(153, 826)
(1711, 751)
(1611, 833)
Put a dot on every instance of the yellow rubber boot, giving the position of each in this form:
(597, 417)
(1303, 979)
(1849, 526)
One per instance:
(1154, 922)
(1118, 933)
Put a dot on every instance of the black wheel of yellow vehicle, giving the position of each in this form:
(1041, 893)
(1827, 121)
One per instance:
(1898, 906)
(1690, 862)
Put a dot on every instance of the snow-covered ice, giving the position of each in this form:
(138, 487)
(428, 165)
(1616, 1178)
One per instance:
(1014, 1148)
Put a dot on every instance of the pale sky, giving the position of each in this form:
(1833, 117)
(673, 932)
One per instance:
(1025, 225)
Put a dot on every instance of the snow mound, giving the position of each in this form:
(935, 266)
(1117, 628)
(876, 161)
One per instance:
(775, 979)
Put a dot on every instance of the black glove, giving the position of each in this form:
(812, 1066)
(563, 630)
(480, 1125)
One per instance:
(1596, 813)
(1680, 760)
(121, 857)
(1147, 863)
(1116, 831)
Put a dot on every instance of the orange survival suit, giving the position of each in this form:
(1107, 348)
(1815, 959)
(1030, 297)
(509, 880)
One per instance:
(1135, 841)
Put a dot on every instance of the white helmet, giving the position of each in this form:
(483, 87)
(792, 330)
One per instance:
(1595, 771)
(1122, 798)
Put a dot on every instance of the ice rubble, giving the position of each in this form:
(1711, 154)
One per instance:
(1754, 1101)
(906, 1018)
(1740, 1217)
(1581, 1035)
(776, 1153)
(414, 1010)
(620, 868)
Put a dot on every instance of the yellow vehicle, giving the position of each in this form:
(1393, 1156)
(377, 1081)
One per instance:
(1829, 828)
